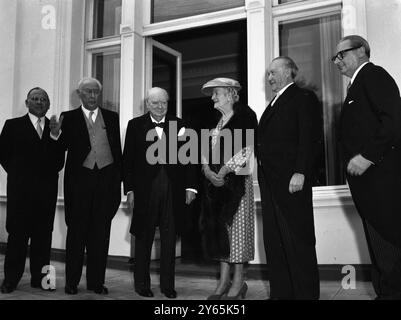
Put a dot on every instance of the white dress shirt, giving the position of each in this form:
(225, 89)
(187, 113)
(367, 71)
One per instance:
(279, 94)
(158, 129)
(87, 112)
(34, 119)
(357, 71)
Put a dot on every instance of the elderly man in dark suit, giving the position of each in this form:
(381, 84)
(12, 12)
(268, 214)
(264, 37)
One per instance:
(160, 189)
(32, 164)
(287, 145)
(92, 184)
(370, 131)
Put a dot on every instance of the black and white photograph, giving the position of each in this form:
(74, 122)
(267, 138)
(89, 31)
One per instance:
(182, 153)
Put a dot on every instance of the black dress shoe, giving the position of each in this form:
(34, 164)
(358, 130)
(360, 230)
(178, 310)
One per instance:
(144, 292)
(99, 290)
(7, 288)
(170, 293)
(71, 289)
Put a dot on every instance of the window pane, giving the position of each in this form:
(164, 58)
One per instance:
(106, 68)
(310, 43)
(287, 1)
(107, 18)
(163, 10)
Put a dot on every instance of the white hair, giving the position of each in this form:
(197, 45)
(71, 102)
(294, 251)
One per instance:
(83, 81)
(154, 90)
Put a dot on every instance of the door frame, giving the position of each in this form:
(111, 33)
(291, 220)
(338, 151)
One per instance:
(150, 43)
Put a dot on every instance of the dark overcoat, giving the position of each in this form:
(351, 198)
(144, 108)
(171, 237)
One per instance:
(75, 140)
(139, 171)
(32, 165)
(370, 125)
(288, 140)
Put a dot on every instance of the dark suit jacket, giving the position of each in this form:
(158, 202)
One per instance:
(370, 124)
(75, 139)
(288, 140)
(139, 173)
(32, 165)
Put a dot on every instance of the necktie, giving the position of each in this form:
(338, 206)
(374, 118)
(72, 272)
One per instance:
(39, 129)
(349, 86)
(90, 118)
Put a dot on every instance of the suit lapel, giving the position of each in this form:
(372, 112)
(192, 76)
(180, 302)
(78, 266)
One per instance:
(281, 101)
(109, 130)
(265, 113)
(81, 125)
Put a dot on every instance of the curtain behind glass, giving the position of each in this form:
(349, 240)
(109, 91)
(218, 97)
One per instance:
(107, 18)
(311, 43)
(106, 68)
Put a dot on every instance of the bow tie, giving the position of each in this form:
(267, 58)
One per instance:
(160, 124)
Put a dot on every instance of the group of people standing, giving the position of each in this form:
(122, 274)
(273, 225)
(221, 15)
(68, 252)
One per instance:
(287, 141)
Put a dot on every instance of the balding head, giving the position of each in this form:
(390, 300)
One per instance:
(281, 72)
(156, 102)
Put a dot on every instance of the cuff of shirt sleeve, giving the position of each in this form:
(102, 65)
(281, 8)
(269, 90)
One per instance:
(55, 137)
(193, 190)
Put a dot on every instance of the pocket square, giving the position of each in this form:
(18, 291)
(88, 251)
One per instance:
(181, 132)
(352, 101)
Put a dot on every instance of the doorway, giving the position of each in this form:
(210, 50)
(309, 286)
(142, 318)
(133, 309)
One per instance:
(205, 53)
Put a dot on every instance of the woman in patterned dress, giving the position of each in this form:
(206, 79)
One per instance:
(227, 214)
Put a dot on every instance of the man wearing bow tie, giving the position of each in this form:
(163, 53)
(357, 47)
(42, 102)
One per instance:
(157, 192)
(32, 164)
(288, 138)
(370, 132)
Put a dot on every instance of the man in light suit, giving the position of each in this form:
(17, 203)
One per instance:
(370, 131)
(32, 164)
(287, 146)
(157, 192)
(92, 184)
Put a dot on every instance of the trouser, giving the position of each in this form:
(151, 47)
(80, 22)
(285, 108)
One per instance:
(161, 211)
(292, 263)
(89, 226)
(16, 252)
(386, 264)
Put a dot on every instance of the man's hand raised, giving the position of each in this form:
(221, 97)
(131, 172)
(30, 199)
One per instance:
(55, 125)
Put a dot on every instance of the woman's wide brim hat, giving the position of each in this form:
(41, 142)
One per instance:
(207, 88)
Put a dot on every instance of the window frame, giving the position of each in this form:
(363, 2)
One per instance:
(200, 20)
(105, 45)
(302, 11)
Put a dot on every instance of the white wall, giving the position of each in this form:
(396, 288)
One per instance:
(8, 12)
(338, 229)
(384, 34)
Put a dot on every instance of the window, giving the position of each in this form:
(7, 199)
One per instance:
(310, 43)
(106, 68)
(287, 1)
(107, 18)
(103, 57)
(163, 10)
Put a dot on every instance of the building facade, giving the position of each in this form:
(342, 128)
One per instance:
(132, 45)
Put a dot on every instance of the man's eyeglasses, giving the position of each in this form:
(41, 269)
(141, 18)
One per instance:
(91, 91)
(37, 99)
(340, 55)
